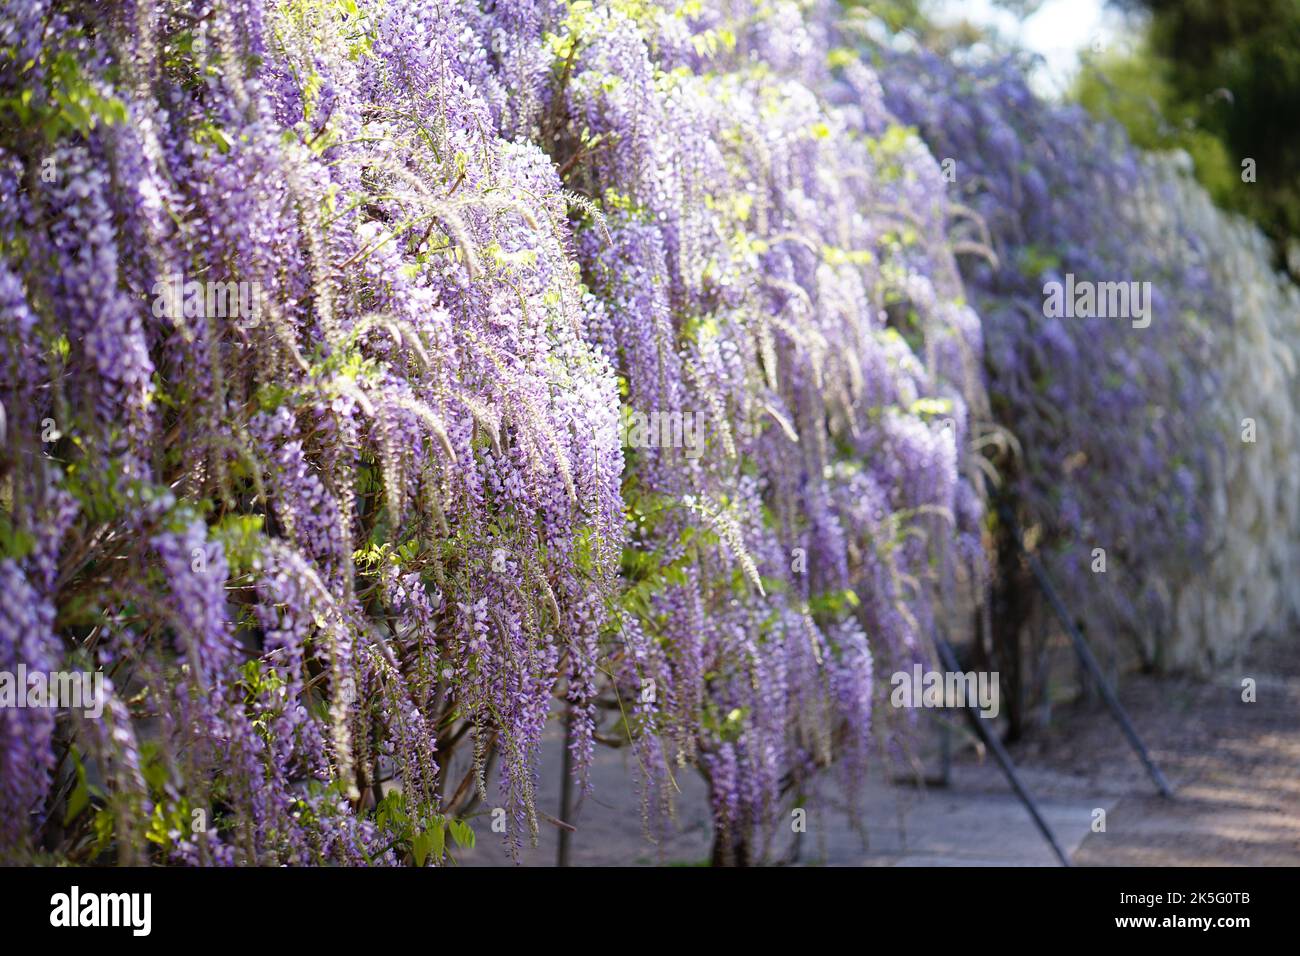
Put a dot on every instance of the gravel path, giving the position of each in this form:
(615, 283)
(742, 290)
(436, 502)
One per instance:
(1235, 768)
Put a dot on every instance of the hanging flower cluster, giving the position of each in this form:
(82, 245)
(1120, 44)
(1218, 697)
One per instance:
(325, 324)
(1110, 394)
(776, 270)
(382, 378)
(308, 448)
(1167, 447)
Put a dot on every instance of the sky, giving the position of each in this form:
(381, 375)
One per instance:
(1057, 31)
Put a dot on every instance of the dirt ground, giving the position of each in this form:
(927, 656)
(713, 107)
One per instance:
(1234, 766)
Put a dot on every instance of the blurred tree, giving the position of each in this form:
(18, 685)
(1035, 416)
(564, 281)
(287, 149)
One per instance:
(897, 15)
(1221, 80)
(1134, 89)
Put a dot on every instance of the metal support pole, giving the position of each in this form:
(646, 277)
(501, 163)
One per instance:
(1085, 655)
(1004, 759)
(566, 792)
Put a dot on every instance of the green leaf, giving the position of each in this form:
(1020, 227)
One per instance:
(79, 799)
(103, 828)
(421, 846)
(462, 833)
(428, 844)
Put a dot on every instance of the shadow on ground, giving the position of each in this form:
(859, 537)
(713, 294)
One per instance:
(1235, 767)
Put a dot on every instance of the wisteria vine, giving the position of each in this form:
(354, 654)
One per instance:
(383, 379)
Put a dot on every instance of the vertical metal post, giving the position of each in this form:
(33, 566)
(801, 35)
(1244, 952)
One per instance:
(1004, 759)
(1088, 660)
(566, 792)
